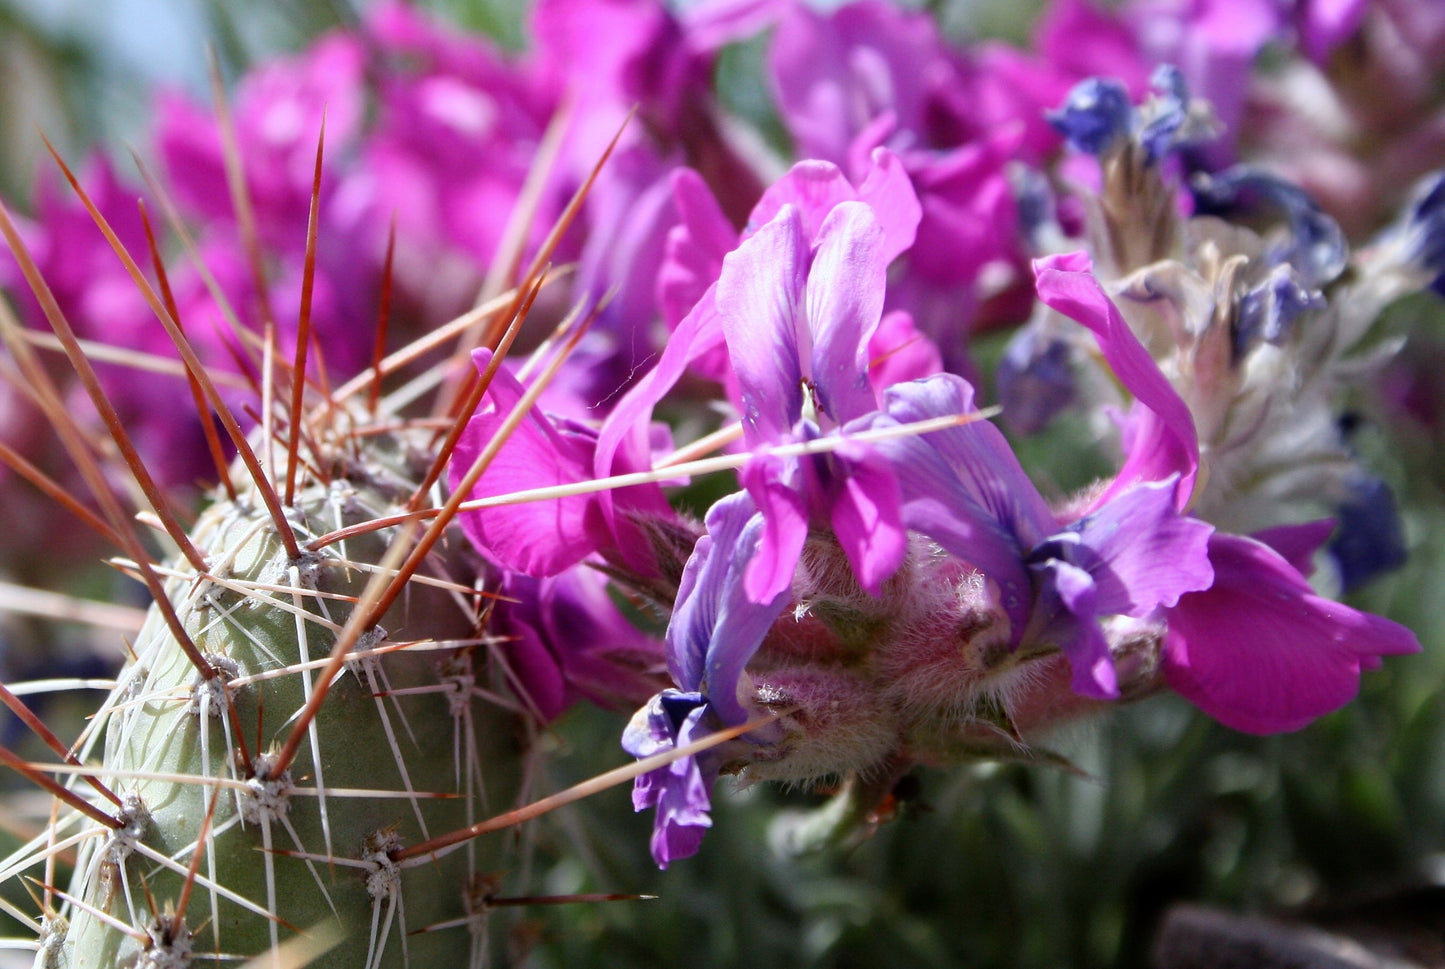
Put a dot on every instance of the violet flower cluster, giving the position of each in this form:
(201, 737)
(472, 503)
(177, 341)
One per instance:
(883, 583)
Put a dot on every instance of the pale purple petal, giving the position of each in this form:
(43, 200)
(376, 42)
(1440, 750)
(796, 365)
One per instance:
(1131, 557)
(977, 454)
(1141, 552)
(812, 187)
(682, 791)
(1069, 597)
(1260, 652)
(757, 300)
(963, 488)
(816, 188)
(715, 627)
(843, 301)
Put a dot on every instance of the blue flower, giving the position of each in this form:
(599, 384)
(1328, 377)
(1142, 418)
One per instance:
(1095, 114)
(1316, 247)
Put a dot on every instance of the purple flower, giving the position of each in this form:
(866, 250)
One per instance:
(696, 247)
(1095, 115)
(715, 629)
(1035, 379)
(681, 792)
(1131, 555)
(565, 640)
(1371, 538)
(797, 312)
(1258, 649)
(101, 302)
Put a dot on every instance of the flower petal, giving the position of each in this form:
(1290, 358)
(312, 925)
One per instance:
(778, 488)
(1260, 652)
(537, 537)
(1141, 552)
(843, 301)
(716, 628)
(757, 300)
(1164, 440)
(867, 514)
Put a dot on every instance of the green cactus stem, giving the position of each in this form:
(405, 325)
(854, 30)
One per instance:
(406, 746)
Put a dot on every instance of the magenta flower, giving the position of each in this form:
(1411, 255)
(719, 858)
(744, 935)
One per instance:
(544, 538)
(566, 640)
(1258, 649)
(1260, 652)
(277, 114)
(101, 302)
(1160, 438)
(456, 130)
(538, 538)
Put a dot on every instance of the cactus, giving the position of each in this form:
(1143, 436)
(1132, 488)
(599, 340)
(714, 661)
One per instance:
(405, 747)
(311, 720)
